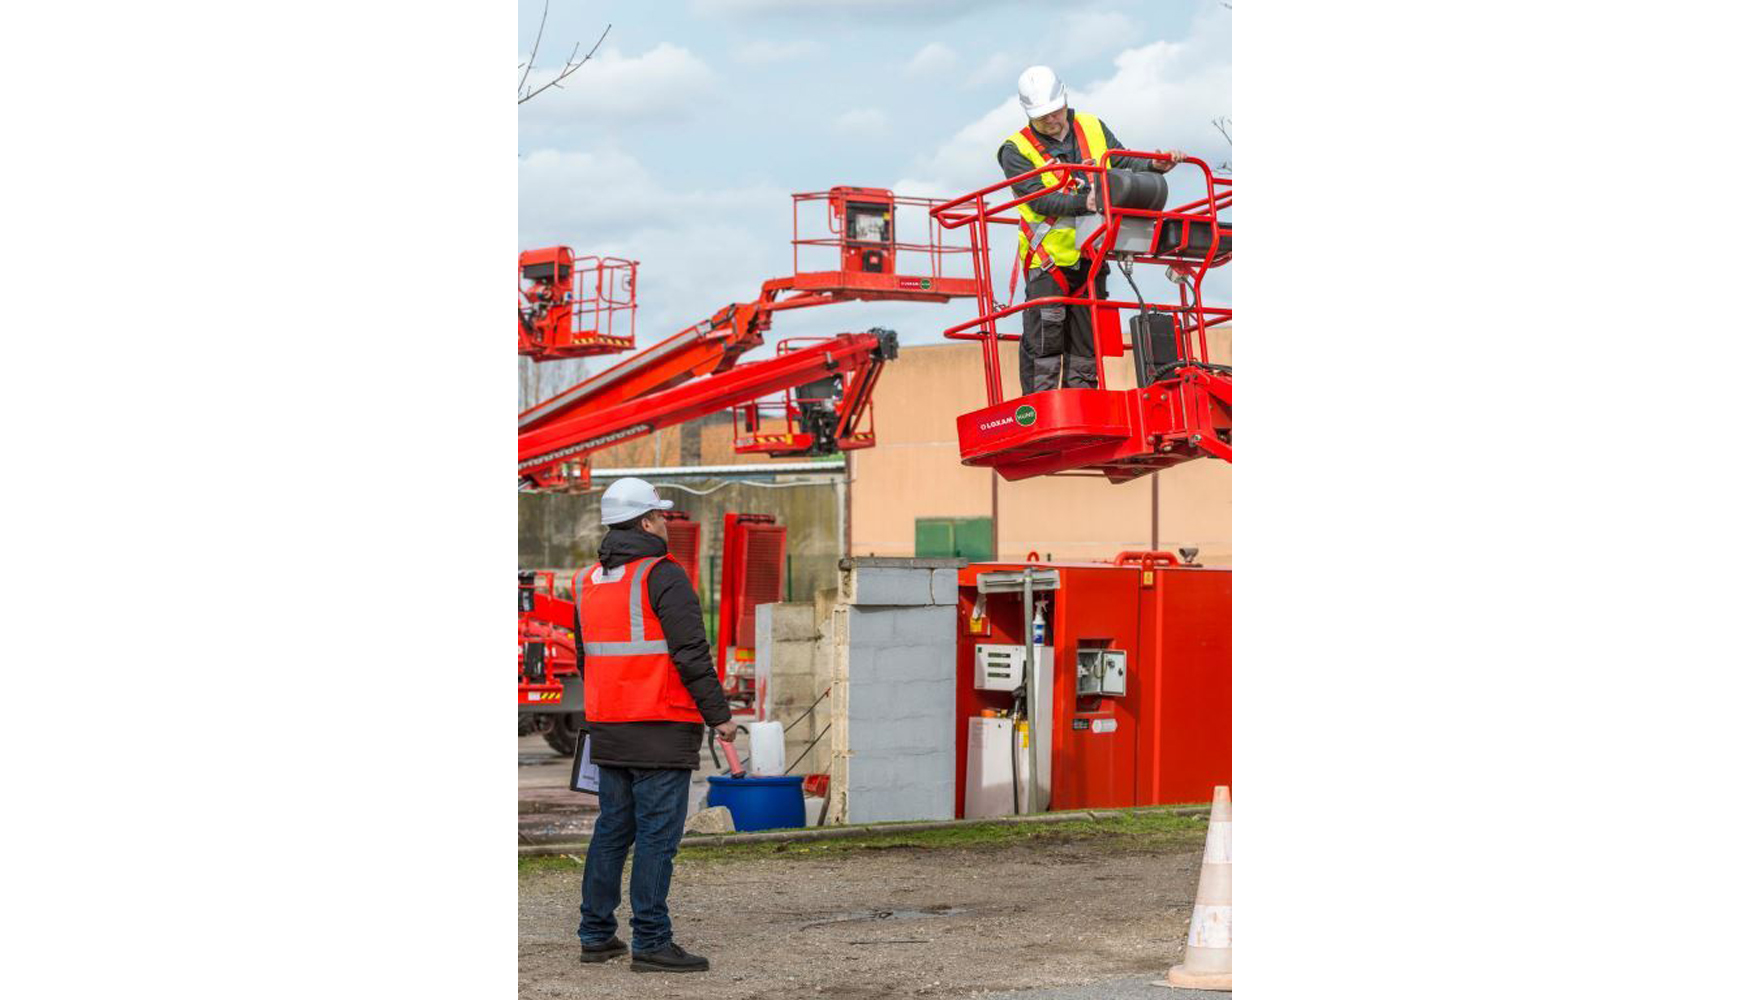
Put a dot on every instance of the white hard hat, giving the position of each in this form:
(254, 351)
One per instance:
(629, 499)
(1041, 91)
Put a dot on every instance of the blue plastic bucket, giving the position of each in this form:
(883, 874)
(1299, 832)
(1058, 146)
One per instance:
(758, 803)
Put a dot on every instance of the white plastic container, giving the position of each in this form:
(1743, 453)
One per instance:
(765, 742)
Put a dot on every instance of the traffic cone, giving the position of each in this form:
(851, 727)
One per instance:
(1209, 956)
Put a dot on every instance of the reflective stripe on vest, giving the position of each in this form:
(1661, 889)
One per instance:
(628, 675)
(1061, 242)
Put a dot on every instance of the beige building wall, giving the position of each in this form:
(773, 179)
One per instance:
(914, 471)
(663, 447)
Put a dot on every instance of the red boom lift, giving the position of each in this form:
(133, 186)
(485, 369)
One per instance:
(862, 238)
(567, 307)
(1183, 406)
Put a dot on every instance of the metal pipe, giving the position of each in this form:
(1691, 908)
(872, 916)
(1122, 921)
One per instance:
(1032, 667)
(1154, 513)
(996, 549)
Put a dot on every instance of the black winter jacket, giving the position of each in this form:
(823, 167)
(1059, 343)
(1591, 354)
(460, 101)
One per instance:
(1064, 150)
(660, 744)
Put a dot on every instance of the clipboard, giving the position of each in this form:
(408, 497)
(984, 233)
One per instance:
(585, 775)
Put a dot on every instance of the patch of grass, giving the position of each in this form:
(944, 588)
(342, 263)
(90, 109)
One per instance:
(1127, 832)
(548, 863)
(1139, 830)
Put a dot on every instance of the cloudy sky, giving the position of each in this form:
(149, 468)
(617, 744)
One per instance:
(680, 143)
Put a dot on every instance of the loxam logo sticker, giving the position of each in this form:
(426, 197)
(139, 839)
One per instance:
(1024, 416)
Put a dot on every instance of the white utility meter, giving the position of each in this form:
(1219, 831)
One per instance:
(998, 667)
(1100, 672)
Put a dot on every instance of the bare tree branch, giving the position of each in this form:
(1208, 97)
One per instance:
(529, 66)
(1224, 125)
(572, 63)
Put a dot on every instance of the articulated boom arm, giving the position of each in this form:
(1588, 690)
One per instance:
(545, 450)
(709, 347)
(864, 254)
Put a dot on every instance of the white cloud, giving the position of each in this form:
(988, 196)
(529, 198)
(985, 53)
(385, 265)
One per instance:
(1085, 35)
(764, 51)
(997, 67)
(861, 121)
(932, 59)
(923, 10)
(699, 247)
(1160, 94)
(666, 83)
(1161, 97)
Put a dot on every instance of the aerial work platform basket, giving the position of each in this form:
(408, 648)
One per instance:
(1182, 407)
(574, 307)
(833, 413)
(868, 254)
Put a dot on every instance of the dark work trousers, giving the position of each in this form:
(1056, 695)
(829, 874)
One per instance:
(1050, 332)
(646, 808)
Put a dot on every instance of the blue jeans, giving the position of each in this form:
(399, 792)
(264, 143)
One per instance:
(646, 808)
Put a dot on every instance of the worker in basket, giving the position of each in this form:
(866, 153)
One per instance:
(1054, 226)
(649, 690)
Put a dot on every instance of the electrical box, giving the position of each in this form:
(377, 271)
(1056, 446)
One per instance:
(1100, 672)
(864, 218)
(991, 749)
(998, 667)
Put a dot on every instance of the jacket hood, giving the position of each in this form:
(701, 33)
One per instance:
(622, 545)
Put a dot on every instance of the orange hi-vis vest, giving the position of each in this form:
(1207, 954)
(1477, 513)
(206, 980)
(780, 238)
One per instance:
(627, 673)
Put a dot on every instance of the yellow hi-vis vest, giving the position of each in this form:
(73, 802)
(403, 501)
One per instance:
(1060, 241)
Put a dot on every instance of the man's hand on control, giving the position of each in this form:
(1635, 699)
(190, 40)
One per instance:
(1162, 166)
(726, 730)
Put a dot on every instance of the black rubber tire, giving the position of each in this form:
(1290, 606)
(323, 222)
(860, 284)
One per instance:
(563, 736)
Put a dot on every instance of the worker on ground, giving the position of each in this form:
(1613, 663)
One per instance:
(649, 691)
(1054, 226)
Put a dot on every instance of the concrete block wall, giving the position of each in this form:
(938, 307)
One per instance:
(788, 674)
(891, 641)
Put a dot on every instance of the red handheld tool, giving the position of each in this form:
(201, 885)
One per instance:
(735, 770)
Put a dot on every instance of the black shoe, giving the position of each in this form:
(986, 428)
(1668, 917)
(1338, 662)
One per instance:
(670, 957)
(611, 948)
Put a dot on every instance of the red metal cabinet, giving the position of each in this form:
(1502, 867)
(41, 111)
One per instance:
(1168, 738)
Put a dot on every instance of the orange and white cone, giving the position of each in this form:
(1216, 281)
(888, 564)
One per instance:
(1209, 956)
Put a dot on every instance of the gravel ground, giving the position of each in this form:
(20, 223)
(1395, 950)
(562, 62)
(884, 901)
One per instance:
(894, 922)
(1134, 988)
